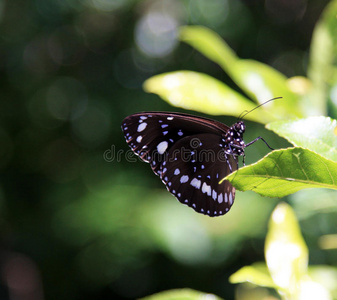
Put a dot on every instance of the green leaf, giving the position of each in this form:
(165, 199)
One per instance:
(285, 249)
(323, 61)
(203, 93)
(182, 294)
(286, 171)
(258, 80)
(326, 276)
(262, 82)
(315, 133)
(257, 274)
(209, 44)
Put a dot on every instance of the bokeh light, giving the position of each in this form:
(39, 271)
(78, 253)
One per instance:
(156, 34)
(81, 217)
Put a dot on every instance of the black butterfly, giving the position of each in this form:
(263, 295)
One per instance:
(190, 154)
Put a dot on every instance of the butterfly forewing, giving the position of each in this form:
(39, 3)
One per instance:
(187, 153)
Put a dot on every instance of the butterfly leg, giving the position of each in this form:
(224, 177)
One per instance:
(229, 165)
(231, 152)
(258, 138)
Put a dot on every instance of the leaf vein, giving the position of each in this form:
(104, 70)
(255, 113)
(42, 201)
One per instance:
(333, 186)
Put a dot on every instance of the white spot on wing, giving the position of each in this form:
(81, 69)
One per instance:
(143, 117)
(220, 198)
(214, 195)
(184, 179)
(230, 199)
(206, 189)
(141, 127)
(170, 118)
(139, 139)
(162, 146)
(196, 183)
(176, 171)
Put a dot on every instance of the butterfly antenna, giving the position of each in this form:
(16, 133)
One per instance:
(247, 112)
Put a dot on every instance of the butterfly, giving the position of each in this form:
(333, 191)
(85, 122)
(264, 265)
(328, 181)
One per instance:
(190, 154)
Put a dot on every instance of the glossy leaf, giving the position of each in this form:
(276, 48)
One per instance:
(258, 80)
(203, 93)
(315, 133)
(183, 294)
(285, 250)
(257, 274)
(286, 171)
(210, 44)
(325, 275)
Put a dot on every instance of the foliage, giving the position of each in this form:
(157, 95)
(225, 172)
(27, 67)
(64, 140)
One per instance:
(284, 172)
(82, 217)
(286, 267)
(315, 133)
(200, 92)
(310, 164)
(184, 294)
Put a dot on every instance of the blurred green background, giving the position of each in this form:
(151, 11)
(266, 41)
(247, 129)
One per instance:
(81, 217)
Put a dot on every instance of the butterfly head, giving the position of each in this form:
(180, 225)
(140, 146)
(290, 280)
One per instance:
(239, 128)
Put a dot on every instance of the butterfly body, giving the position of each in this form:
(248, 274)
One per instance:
(190, 154)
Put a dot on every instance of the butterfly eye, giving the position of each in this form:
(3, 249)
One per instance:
(240, 127)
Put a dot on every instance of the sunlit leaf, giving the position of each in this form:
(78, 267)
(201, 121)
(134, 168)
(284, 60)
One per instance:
(257, 274)
(326, 276)
(210, 44)
(203, 93)
(258, 80)
(286, 171)
(322, 64)
(262, 82)
(314, 133)
(183, 294)
(285, 249)
(307, 289)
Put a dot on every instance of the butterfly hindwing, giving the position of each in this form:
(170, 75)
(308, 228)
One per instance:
(192, 172)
